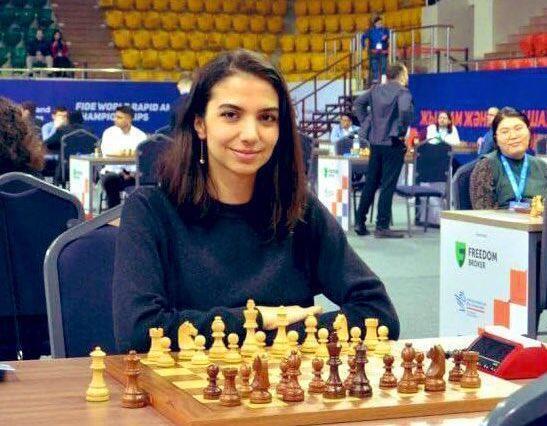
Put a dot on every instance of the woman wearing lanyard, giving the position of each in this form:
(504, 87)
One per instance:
(508, 177)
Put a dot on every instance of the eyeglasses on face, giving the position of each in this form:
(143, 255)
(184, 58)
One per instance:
(506, 132)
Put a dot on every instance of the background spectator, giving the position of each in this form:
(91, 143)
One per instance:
(344, 129)
(59, 118)
(59, 51)
(443, 130)
(378, 44)
(38, 51)
(486, 143)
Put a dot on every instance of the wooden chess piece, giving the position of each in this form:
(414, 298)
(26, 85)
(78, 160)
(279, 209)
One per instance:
(292, 337)
(383, 347)
(434, 378)
(334, 387)
(352, 370)
(310, 344)
(317, 384)
(281, 343)
(260, 393)
(371, 336)
(455, 375)
(260, 338)
(218, 350)
(407, 384)
(360, 388)
(186, 334)
(322, 351)
(388, 379)
(470, 378)
(293, 392)
(233, 356)
(200, 357)
(419, 374)
(282, 385)
(133, 395)
(155, 346)
(229, 396)
(248, 348)
(355, 339)
(245, 375)
(340, 325)
(165, 360)
(97, 390)
(212, 391)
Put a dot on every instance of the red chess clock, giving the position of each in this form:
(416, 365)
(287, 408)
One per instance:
(509, 356)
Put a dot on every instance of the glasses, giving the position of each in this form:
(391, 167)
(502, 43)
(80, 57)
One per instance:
(506, 132)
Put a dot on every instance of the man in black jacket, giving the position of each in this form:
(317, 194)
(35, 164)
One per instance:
(389, 109)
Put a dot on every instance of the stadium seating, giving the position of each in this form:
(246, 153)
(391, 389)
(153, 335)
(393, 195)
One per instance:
(160, 40)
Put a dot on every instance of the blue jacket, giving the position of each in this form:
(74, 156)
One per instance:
(487, 144)
(375, 36)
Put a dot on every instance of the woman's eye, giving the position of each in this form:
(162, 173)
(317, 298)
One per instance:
(230, 115)
(270, 118)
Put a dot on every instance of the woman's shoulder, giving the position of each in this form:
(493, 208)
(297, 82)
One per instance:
(147, 201)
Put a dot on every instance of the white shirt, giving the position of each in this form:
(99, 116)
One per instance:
(442, 135)
(115, 142)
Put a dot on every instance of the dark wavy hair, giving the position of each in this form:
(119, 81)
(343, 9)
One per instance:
(19, 145)
(506, 112)
(279, 194)
(449, 118)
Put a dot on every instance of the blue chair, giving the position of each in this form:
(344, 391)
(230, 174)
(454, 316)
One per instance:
(148, 153)
(542, 290)
(30, 220)
(461, 196)
(78, 272)
(165, 131)
(432, 165)
(79, 141)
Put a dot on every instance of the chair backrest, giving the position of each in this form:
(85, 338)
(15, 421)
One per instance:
(461, 195)
(79, 141)
(432, 162)
(148, 153)
(542, 302)
(78, 271)
(307, 150)
(165, 130)
(31, 220)
(541, 146)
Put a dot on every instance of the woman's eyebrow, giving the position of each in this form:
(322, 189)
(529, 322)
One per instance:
(238, 108)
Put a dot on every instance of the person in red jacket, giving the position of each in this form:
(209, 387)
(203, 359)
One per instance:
(59, 51)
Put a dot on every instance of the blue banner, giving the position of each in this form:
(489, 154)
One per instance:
(467, 95)
(97, 100)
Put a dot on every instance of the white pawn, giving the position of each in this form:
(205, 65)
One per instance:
(199, 357)
(165, 360)
(310, 343)
(355, 333)
(322, 350)
(383, 347)
(260, 338)
(97, 390)
(218, 349)
(371, 338)
(233, 356)
(292, 336)
(155, 346)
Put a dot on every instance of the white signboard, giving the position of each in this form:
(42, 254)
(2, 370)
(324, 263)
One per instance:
(79, 181)
(484, 278)
(333, 187)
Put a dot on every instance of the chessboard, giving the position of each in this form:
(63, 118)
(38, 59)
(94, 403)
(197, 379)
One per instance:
(177, 393)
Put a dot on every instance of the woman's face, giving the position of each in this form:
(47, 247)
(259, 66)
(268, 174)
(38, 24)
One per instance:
(513, 137)
(443, 120)
(240, 127)
(57, 36)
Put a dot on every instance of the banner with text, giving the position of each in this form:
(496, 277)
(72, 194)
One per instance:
(467, 95)
(97, 100)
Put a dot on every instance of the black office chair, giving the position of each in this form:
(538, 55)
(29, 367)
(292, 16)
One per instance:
(29, 221)
(461, 196)
(541, 146)
(78, 271)
(148, 153)
(432, 165)
(79, 141)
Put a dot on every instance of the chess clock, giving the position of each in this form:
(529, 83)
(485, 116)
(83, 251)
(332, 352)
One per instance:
(508, 355)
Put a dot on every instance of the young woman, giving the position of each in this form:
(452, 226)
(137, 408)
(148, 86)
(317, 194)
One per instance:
(508, 175)
(443, 130)
(231, 220)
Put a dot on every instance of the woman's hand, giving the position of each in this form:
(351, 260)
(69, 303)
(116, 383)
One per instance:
(295, 314)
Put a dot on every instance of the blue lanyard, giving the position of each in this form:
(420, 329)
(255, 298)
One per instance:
(518, 190)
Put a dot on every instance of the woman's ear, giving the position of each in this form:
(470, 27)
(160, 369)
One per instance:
(199, 126)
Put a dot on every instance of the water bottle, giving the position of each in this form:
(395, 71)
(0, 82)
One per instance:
(356, 145)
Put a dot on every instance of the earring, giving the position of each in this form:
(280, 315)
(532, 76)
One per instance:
(201, 156)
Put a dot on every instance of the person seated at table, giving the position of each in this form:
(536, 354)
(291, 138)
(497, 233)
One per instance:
(344, 129)
(118, 140)
(20, 148)
(508, 175)
(231, 220)
(486, 142)
(443, 130)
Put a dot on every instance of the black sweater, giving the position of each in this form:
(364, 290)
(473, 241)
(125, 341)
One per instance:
(168, 270)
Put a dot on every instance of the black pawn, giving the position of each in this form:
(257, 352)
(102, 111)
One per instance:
(212, 391)
(361, 386)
